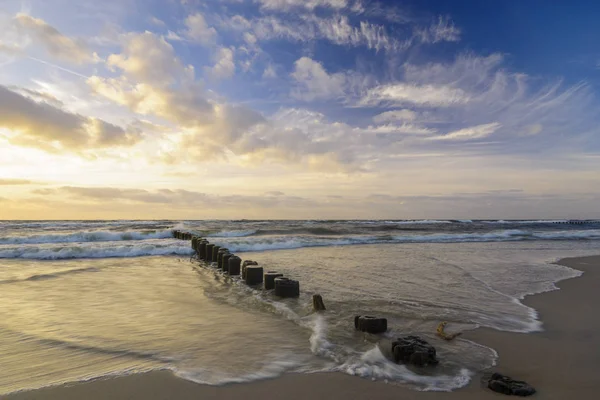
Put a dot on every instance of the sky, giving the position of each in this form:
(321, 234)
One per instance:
(296, 109)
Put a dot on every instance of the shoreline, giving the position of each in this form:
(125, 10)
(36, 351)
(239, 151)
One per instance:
(559, 361)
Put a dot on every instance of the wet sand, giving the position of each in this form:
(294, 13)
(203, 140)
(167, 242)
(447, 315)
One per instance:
(562, 362)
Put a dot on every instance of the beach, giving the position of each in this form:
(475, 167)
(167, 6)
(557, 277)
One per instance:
(561, 361)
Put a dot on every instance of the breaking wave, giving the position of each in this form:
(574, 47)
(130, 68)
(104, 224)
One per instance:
(92, 236)
(61, 252)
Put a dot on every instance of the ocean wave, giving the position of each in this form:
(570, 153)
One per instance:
(235, 233)
(294, 242)
(91, 236)
(374, 365)
(62, 252)
(211, 376)
(58, 274)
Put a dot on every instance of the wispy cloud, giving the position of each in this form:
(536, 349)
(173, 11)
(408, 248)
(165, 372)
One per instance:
(472, 132)
(33, 31)
(10, 182)
(399, 94)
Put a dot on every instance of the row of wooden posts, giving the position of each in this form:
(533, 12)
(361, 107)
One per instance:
(252, 274)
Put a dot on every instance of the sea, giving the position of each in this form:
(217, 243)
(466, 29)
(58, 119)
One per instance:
(82, 300)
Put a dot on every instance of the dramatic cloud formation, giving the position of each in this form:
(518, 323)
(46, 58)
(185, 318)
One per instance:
(325, 105)
(24, 30)
(40, 124)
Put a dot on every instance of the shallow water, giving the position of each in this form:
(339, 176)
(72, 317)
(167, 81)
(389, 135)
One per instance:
(71, 317)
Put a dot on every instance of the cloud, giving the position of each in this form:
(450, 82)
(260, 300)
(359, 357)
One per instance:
(395, 115)
(175, 197)
(286, 5)
(157, 22)
(156, 83)
(269, 72)
(314, 82)
(40, 124)
(336, 29)
(198, 30)
(398, 94)
(55, 43)
(10, 182)
(443, 30)
(149, 58)
(405, 128)
(472, 132)
(224, 66)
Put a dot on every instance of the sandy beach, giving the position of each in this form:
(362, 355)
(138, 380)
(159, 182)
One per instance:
(561, 361)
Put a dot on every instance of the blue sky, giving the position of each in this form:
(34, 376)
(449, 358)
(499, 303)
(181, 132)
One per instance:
(312, 108)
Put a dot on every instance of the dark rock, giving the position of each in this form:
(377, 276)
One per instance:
(285, 287)
(270, 279)
(506, 385)
(414, 350)
(370, 324)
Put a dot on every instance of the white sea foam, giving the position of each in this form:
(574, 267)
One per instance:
(374, 365)
(110, 249)
(241, 233)
(90, 236)
(211, 376)
(294, 242)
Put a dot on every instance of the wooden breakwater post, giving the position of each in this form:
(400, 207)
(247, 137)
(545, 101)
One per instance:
(270, 279)
(222, 251)
(209, 252)
(285, 287)
(220, 264)
(245, 265)
(202, 249)
(215, 253)
(225, 262)
(233, 265)
(254, 275)
(318, 304)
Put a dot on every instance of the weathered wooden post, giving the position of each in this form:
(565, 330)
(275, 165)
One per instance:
(270, 279)
(225, 261)
(209, 252)
(254, 275)
(234, 265)
(215, 253)
(202, 249)
(285, 287)
(245, 264)
(222, 251)
(318, 304)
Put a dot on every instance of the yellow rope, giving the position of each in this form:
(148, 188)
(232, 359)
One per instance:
(444, 335)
